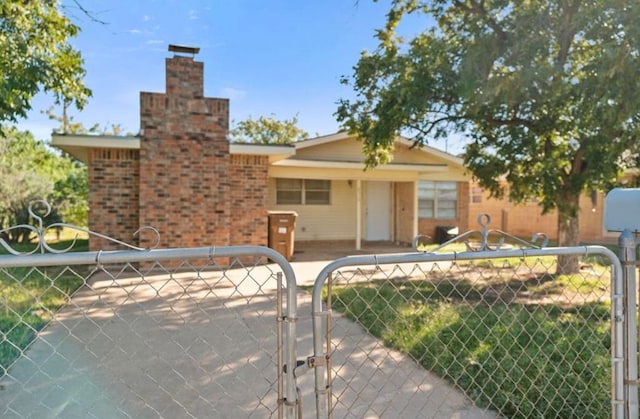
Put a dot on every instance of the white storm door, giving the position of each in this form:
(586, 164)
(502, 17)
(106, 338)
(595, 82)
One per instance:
(378, 211)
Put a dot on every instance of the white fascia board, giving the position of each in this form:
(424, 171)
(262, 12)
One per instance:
(360, 166)
(262, 150)
(95, 141)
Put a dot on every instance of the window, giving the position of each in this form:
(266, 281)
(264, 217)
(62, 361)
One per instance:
(476, 195)
(289, 191)
(437, 199)
(303, 192)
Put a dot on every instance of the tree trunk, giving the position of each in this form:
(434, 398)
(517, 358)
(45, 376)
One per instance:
(569, 235)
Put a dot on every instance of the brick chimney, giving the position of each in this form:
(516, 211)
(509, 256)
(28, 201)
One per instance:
(185, 76)
(184, 157)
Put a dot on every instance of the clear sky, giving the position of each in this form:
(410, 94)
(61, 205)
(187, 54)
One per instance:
(280, 57)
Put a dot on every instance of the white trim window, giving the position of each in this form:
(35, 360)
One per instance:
(437, 200)
(303, 191)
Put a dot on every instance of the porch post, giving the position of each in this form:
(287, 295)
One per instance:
(415, 209)
(358, 214)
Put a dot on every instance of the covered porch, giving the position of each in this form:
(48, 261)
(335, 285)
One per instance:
(338, 198)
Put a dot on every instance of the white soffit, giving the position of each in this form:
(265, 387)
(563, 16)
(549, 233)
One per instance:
(321, 164)
(77, 145)
(262, 150)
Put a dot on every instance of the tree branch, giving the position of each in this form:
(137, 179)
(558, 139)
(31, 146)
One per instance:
(567, 32)
(477, 8)
(88, 14)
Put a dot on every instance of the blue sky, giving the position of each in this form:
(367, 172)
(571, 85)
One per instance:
(280, 57)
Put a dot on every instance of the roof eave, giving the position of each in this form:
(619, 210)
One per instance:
(78, 145)
(360, 166)
(262, 150)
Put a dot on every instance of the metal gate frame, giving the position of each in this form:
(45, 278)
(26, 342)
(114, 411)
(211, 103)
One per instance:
(624, 340)
(287, 391)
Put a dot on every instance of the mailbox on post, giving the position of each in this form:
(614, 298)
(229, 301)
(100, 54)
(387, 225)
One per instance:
(622, 209)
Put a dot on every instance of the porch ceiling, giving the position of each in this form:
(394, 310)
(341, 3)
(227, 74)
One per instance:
(323, 164)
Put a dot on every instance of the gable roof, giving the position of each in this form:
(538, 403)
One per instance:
(339, 136)
(339, 156)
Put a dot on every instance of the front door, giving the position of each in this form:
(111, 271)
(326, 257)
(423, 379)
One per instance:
(378, 211)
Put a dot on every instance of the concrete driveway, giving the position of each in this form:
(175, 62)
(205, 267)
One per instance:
(126, 347)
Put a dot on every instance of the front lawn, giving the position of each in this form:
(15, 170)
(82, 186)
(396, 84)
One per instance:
(517, 340)
(29, 298)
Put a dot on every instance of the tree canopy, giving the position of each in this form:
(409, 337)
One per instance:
(267, 130)
(35, 55)
(30, 171)
(546, 91)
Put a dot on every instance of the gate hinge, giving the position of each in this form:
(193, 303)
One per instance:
(317, 361)
(632, 382)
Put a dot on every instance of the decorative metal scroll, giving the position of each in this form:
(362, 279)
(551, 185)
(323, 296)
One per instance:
(487, 239)
(43, 209)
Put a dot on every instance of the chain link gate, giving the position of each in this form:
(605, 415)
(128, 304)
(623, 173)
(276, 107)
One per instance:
(487, 331)
(198, 332)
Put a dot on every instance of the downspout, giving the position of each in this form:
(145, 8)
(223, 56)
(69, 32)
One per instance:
(358, 214)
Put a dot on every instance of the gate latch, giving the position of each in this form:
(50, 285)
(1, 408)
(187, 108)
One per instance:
(317, 361)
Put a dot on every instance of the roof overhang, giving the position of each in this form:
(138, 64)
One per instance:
(312, 142)
(271, 150)
(423, 168)
(78, 145)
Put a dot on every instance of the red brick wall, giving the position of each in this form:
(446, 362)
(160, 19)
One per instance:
(248, 178)
(113, 196)
(184, 160)
(525, 220)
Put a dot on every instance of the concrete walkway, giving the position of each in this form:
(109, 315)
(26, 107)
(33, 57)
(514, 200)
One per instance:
(174, 349)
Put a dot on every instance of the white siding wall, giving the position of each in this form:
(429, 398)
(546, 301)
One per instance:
(323, 222)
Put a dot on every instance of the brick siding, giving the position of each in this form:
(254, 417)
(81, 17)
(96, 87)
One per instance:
(248, 177)
(113, 199)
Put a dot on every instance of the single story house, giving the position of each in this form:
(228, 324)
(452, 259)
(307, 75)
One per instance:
(181, 176)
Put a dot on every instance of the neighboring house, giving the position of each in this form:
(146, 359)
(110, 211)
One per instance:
(182, 177)
(526, 219)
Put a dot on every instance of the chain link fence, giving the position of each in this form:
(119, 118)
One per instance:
(491, 333)
(215, 332)
(166, 333)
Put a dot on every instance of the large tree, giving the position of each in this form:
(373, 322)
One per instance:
(267, 130)
(546, 91)
(29, 171)
(35, 55)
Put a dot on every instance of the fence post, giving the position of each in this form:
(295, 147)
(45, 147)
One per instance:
(627, 244)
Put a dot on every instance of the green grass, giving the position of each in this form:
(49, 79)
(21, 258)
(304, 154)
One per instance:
(29, 298)
(512, 356)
